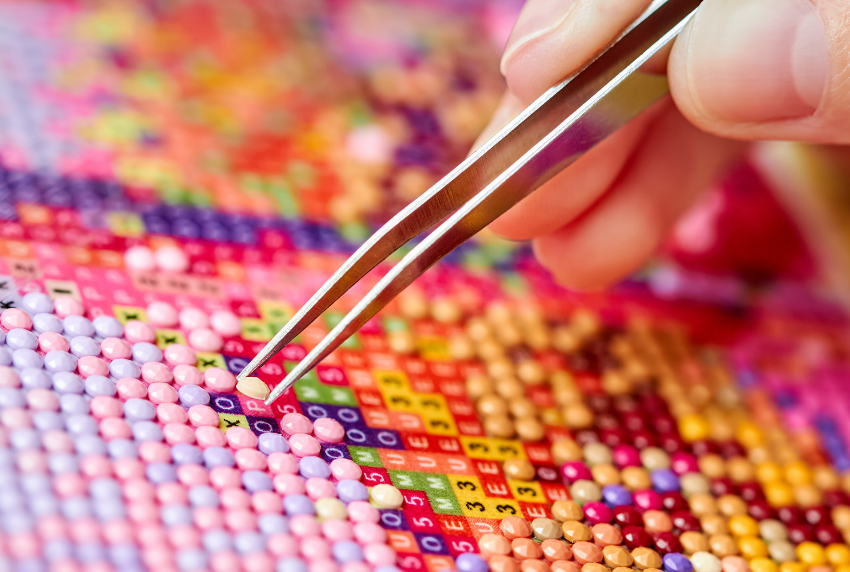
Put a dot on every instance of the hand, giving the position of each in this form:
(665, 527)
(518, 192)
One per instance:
(742, 70)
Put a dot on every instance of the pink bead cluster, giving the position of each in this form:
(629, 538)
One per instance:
(312, 533)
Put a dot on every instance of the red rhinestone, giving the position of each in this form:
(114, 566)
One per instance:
(664, 424)
(828, 534)
(674, 502)
(666, 542)
(817, 515)
(613, 437)
(760, 510)
(671, 443)
(798, 533)
(750, 492)
(701, 448)
(633, 421)
(627, 515)
(722, 486)
(635, 536)
(789, 515)
(685, 521)
(643, 439)
(730, 449)
(586, 437)
(833, 499)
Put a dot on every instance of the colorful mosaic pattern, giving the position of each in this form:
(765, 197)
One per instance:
(177, 178)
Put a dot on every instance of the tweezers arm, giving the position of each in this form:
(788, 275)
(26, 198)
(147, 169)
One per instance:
(607, 108)
(479, 169)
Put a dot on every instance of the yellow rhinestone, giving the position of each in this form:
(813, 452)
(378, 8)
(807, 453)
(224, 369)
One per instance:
(752, 547)
(743, 525)
(763, 565)
(838, 554)
(694, 427)
(811, 554)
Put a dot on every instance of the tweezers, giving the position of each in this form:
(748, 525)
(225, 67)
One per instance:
(551, 134)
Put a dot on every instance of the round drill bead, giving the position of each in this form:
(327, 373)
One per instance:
(386, 496)
(563, 510)
(515, 527)
(545, 529)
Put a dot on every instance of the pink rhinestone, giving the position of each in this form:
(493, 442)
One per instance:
(315, 547)
(184, 537)
(104, 406)
(226, 323)
(323, 565)
(115, 428)
(161, 392)
(219, 380)
(305, 525)
(137, 331)
(378, 554)
(328, 430)
(288, 484)
(282, 545)
(91, 365)
(319, 488)
(176, 433)
(266, 501)
(42, 399)
(65, 306)
(366, 532)
(14, 318)
(15, 417)
(70, 485)
(52, 527)
(226, 562)
(178, 354)
(225, 477)
(153, 452)
(251, 460)
(118, 532)
(161, 314)
(234, 498)
(210, 437)
(362, 511)
(241, 438)
(57, 441)
(171, 259)
(304, 445)
(95, 466)
(115, 348)
(283, 463)
(187, 375)
(142, 512)
(192, 475)
(128, 387)
(32, 462)
(205, 340)
(192, 318)
(172, 493)
(295, 423)
(258, 562)
(51, 341)
(139, 258)
(240, 520)
(171, 413)
(156, 372)
(337, 529)
(203, 416)
(9, 377)
(207, 518)
(139, 490)
(128, 469)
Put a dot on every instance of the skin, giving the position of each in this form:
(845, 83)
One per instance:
(783, 72)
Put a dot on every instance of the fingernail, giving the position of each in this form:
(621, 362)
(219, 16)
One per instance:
(758, 60)
(538, 17)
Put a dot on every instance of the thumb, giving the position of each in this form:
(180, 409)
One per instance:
(766, 69)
